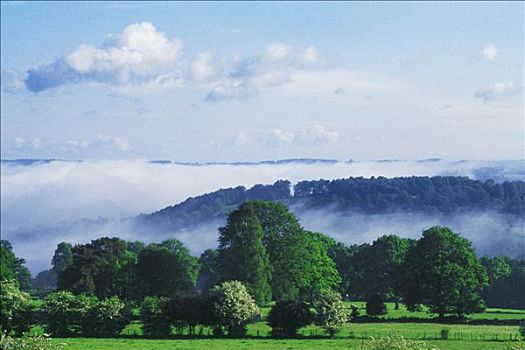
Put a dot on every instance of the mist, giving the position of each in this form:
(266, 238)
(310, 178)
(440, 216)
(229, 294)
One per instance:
(44, 203)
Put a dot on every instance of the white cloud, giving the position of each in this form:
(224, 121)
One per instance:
(278, 51)
(37, 143)
(77, 144)
(282, 137)
(115, 142)
(496, 91)
(317, 133)
(140, 50)
(489, 52)
(314, 134)
(202, 69)
(20, 142)
(231, 88)
(310, 56)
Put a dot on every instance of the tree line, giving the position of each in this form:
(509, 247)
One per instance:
(263, 255)
(438, 195)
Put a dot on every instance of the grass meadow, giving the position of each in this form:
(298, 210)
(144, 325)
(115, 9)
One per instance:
(353, 336)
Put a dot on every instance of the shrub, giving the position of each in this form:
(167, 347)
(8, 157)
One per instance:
(15, 308)
(65, 312)
(396, 343)
(106, 318)
(38, 342)
(444, 333)
(233, 307)
(190, 311)
(155, 319)
(330, 312)
(286, 317)
(354, 314)
(375, 305)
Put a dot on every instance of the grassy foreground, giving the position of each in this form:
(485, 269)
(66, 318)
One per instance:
(226, 344)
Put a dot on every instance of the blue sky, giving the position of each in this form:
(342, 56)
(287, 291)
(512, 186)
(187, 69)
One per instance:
(250, 81)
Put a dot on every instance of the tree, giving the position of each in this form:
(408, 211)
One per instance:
(208, 274)
(15, 307)
(65, 312)
(189, 262)
(303, 266)
(375, 306)
(12, 267)
(330, 312)
(62, 258)
(46, 280)
(106, 318)
(287, 316)
(162, 273)
(190, 311)
(154, 316)
(506, 282)
(94, 267)
(242, 255)
(441, 271)
(233, 307)
(374, 269)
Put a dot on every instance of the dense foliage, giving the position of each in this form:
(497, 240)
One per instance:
(442, 272)
(13, 267)
(233, 307)
(15, 307)
(375, 305)
(330, 312)
(433, 195)
(506, 282)
(242, 255)
(287, 316)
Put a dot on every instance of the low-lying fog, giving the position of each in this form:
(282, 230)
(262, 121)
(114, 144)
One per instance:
(42, 202)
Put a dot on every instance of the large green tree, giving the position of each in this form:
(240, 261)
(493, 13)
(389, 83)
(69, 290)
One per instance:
(208, 274)
(374, 269)
(95, 267)
(62, 258)
(160, 272)
(506, 282)
(441, 271)
(242, 254)
(12, 267)
(301, 265)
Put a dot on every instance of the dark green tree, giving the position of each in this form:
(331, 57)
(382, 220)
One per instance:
(242, 254)
(208, 274)
(506, 282)
(62, 258)
(287, 316)
(184, 257)
(441, 271)
(155, 317)
(12, 267)
(374, 269)
(159, 272)
(95, 267)
(375, 305)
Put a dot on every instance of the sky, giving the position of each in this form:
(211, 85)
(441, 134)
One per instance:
(204, 81)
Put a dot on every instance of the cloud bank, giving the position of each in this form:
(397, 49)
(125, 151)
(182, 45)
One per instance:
(141, 53)
(40, 196)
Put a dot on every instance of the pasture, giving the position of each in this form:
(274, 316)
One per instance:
(353, 336)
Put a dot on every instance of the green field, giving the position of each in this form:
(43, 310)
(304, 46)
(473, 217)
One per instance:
(225, 344)
(353, 336)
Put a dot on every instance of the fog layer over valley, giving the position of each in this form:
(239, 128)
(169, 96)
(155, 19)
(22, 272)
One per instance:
(46, 202)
